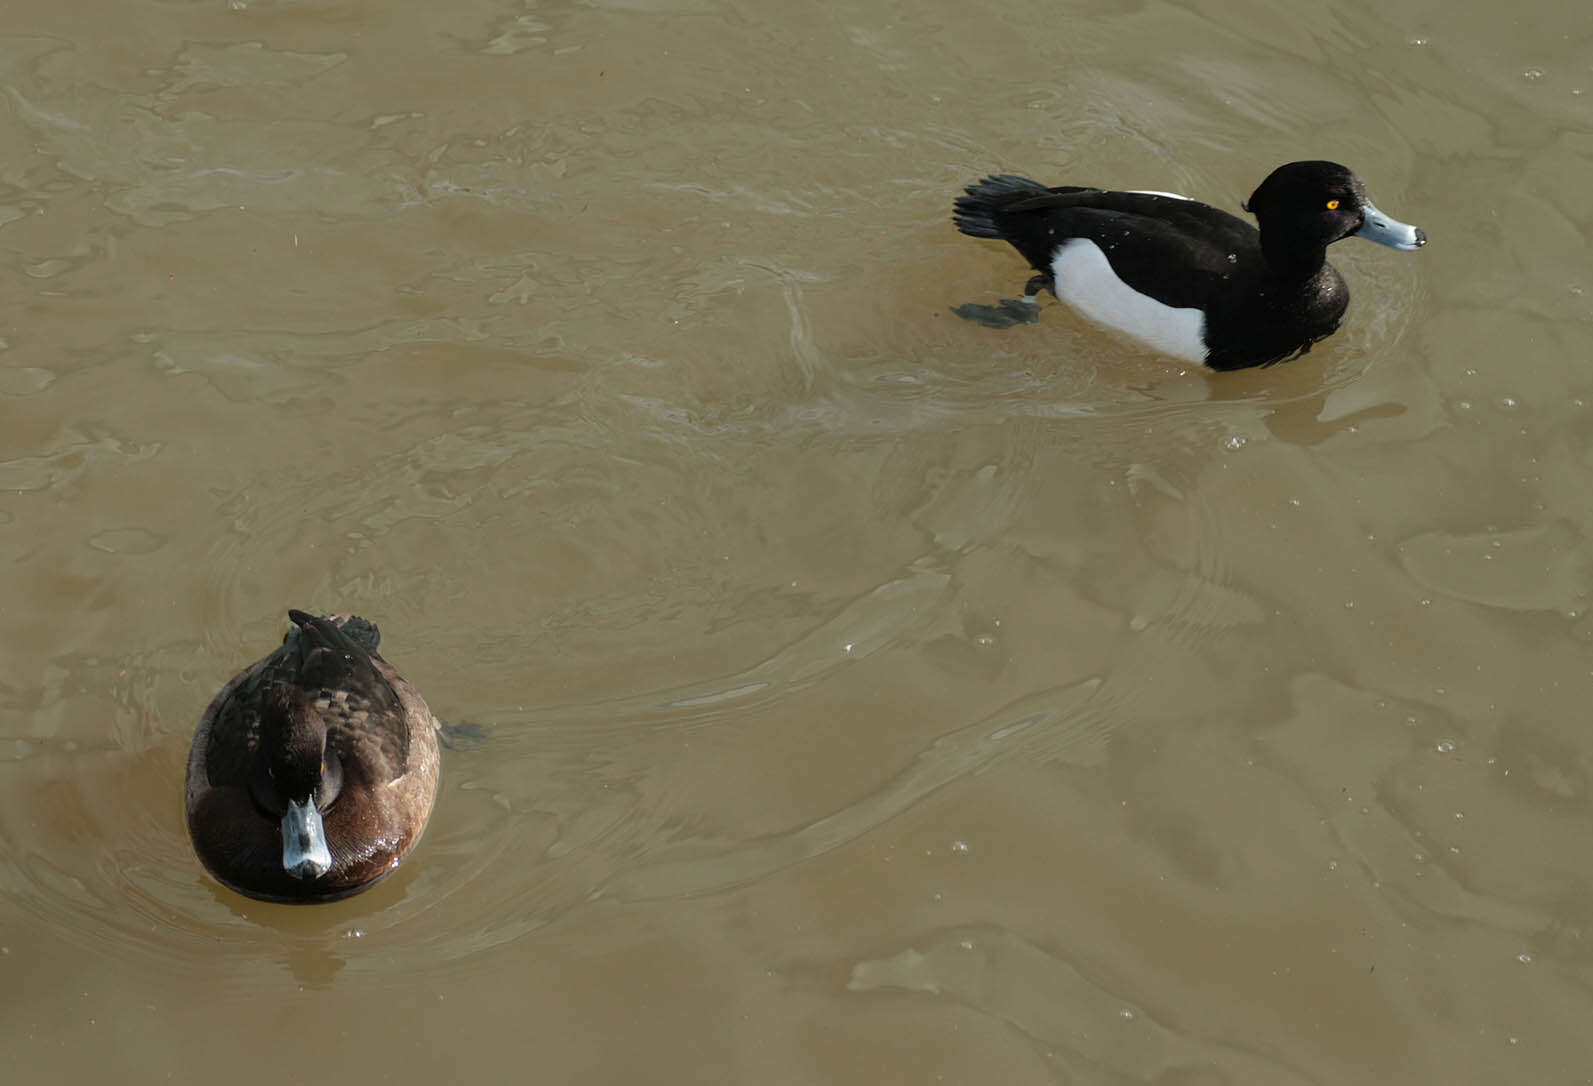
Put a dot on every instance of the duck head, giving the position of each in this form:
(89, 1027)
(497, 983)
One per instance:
(295, 775)
(1310, 205)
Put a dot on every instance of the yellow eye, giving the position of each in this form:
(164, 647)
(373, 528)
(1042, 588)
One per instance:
(1333, 205)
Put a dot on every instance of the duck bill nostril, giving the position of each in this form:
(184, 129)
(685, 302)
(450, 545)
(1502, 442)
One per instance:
(1378, 227)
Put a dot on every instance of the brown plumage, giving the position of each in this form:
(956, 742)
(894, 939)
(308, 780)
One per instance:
(322, 733)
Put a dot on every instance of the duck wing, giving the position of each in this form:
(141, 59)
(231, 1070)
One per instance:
(234, 731)
(366, 723)
(1181, 251)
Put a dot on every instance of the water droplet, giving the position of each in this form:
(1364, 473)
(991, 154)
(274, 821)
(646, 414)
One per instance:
(959, 846)
(1237, 441)
(1508, 402)
(1524, 958)
(1233, 258)
(1419, 42)
(1446, 747)
(1127, 1012)
(1533, 74)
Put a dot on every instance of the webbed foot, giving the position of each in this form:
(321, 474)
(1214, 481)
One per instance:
(461, 736)
(1004, 314)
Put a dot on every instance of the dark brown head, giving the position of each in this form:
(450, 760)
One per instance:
(295, 776)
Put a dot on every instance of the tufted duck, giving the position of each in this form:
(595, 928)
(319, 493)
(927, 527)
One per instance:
(1187, 279)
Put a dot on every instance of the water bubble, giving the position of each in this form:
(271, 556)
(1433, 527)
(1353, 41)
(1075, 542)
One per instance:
(959, 846)
(1524, 958)
(1446, 747)
(1533, 74)
(1237, 441)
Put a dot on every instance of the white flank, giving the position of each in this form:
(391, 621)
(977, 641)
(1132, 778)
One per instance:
(1085, 280)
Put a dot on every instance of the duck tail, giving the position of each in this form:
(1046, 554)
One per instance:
(326, 656)
(975, 211)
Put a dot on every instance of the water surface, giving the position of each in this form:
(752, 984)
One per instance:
(872, 696)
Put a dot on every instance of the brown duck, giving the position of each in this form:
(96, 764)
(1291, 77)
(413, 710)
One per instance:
(313, 771)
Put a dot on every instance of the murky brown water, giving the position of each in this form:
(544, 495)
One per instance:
(874, 697)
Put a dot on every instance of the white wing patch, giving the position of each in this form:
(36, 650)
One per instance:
(1153, 192)
(1085, 280)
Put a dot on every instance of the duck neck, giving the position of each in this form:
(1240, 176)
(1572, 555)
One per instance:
(1289, 259)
